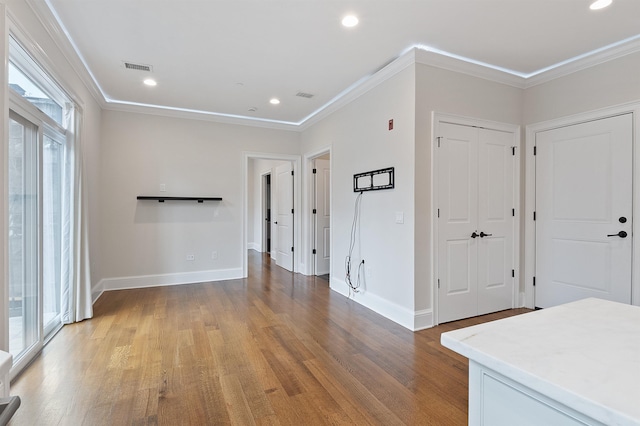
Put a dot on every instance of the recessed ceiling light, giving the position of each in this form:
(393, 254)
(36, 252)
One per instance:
(350, 21)
(274, 101)
(150, 82)
(600, 4)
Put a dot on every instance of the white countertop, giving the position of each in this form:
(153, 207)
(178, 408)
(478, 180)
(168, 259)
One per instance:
(585, 355)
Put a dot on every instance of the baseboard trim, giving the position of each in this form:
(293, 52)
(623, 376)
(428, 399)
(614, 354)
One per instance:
(254, 246)
(143, 281)
(423, 319)
(405, 317)
(97, 291)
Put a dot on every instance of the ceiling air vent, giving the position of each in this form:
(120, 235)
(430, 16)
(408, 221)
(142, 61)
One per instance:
(304, 95)
(137, 67)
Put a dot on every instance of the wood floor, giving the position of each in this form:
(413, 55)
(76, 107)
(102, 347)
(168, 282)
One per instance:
(276, 348)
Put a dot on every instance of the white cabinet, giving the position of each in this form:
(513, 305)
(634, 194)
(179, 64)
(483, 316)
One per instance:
(573, 364)
(495, 400)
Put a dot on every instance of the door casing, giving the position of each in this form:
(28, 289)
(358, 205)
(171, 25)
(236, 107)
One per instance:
(530, 199)
(437, 118)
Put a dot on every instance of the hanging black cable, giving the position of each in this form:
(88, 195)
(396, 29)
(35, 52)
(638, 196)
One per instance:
(355, 288)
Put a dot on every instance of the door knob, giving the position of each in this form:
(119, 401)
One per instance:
(276, 222)
(482, 234)
(621, 234)
(474, 235)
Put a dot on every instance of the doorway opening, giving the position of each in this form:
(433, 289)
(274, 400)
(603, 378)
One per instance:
(266, 213)
(321, 231)
(271, 206)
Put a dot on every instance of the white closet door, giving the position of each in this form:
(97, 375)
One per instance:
(583, 200)
(458, 204)
(475, 227)
(495, 217)
(284, 218)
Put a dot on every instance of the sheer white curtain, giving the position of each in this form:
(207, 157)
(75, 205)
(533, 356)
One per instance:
(76, 273)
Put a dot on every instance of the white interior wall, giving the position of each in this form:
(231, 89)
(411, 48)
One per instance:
(360, 141)
(611, 83)
(146, 243)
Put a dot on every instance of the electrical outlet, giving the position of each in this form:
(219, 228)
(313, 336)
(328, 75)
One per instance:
(214, 255)
(163, 187)
(191, 257)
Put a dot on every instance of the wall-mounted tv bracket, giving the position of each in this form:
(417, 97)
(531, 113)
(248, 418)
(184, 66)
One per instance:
(374, 180)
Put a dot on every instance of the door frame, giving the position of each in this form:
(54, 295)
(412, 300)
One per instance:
(308, 225)
(530, 192)
(296, 164)
(436, 119)
(263, 211)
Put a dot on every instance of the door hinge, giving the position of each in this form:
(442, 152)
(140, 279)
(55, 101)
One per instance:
(291, 248)
(314, 211)
(438, 282)
(438, 212)
(513, 150)
(314, 171)
(513, 273)
(534, 215)
(291, 172)
(291, 211)
(438, 138)
(535, 150)
(314, 251)
(534, 281)
(513, 212)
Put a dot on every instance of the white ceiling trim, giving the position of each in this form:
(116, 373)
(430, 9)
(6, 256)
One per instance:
(438, 59)
(590, 59)
(359, 88)
(51, 23)
(413, 54)
(192, 114)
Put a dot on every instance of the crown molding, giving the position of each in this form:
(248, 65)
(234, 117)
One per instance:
(58, 34)
(464, 66)
(360, 87)
(591, 59)
(164, 111)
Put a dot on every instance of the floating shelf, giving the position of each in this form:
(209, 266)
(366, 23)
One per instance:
(162, 199)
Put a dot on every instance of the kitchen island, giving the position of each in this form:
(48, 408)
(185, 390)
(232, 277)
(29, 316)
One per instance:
(573, 364)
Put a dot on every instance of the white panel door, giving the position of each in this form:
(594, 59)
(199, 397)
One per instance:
(475, 226)
(284, 216)
(458, 205)
(495, 218)
(322, 216)
(584, 211)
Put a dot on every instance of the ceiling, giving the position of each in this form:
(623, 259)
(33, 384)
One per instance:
(228, 58)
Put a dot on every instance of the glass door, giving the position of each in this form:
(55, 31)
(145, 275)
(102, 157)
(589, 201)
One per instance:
(36, 167)
(39, 238)
(52, 181)
(24, 330)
